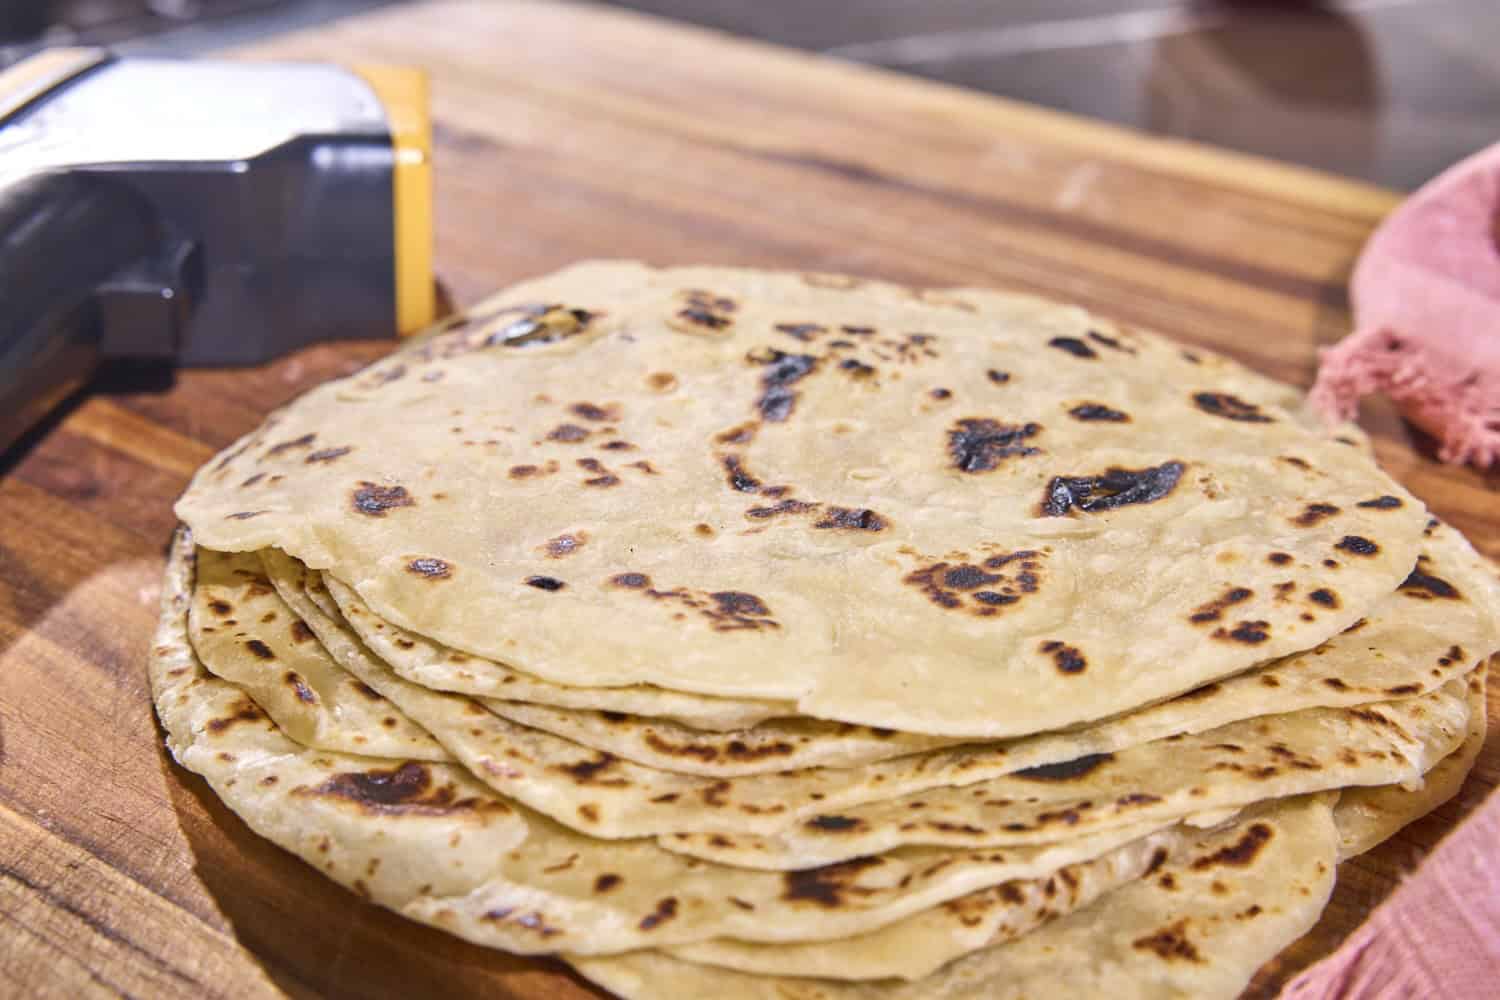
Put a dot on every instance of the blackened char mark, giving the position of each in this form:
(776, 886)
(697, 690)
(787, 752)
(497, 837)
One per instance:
(596, 413)
(1241, 853)
(1313, 513)
(587, 771)
(804, 332)
(243, 710)
(1073, 346)
(948, 585)
(565, 544)
(1222, 404)
(327, 455)
(407, 789)
(544, 325)
(1098, 411)
(602, 477)
(736, 611)
(980, 444)
(430, 568)
(834, 824)
(1214, 610)
(737, 602)
(782, 371)
(1170, 943)
(304, 441)
(739, 479)
(969, 578)
(778, 509)
(742, 434)
(861, 519)
(1116, 488)
(374, 500)
(1069, 659)
(1110, 342)
(1357, 545)
(1427, 587)
(703, 318)
(665, 910)
(1325, 597)
(829, 886)
(1066, 770)
(1248, 632)
(299, 688)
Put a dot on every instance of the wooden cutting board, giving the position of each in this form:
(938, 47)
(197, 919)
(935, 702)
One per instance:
(563, 133)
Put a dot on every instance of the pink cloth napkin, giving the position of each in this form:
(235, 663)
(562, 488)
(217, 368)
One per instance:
(1438, 936)
(1426, 299)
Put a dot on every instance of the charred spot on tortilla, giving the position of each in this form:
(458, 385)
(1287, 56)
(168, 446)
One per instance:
(1213, 610)
(1068, 659)
(1222, 404)
(430, 568)
(1248, 632)
(979, 444)
(1357, 545)
(1114, 489)
(1424, 586)
(1098, 412)
(861, 519)
(782, 371)
(373, 500)
(1314, 513)
(1066, 770)
(804, 332)
(1073, 346)
(739, 479)
(327, 455)
(568, 433)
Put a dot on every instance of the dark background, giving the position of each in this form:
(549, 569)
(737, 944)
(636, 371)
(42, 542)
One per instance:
(1387, 90)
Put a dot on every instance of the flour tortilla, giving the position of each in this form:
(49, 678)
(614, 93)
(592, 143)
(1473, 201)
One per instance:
(1159, 782)
(252, 639)
(1434, 627)
(429, 841)
(1199, 928)
(437, 483)
(611, 797)
(1227, 768)
(923, 943)
(433, 665)
(1367, 817)
(772, 746)
(777, 745)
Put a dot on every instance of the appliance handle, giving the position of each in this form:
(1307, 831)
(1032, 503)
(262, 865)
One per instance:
(85, 271)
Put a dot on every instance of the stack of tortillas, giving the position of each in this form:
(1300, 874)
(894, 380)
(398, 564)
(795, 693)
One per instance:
(746, 635)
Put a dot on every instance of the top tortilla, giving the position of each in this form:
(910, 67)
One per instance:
(964, 514)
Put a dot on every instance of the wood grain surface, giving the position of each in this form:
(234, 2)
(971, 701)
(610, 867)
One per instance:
(562, 133)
